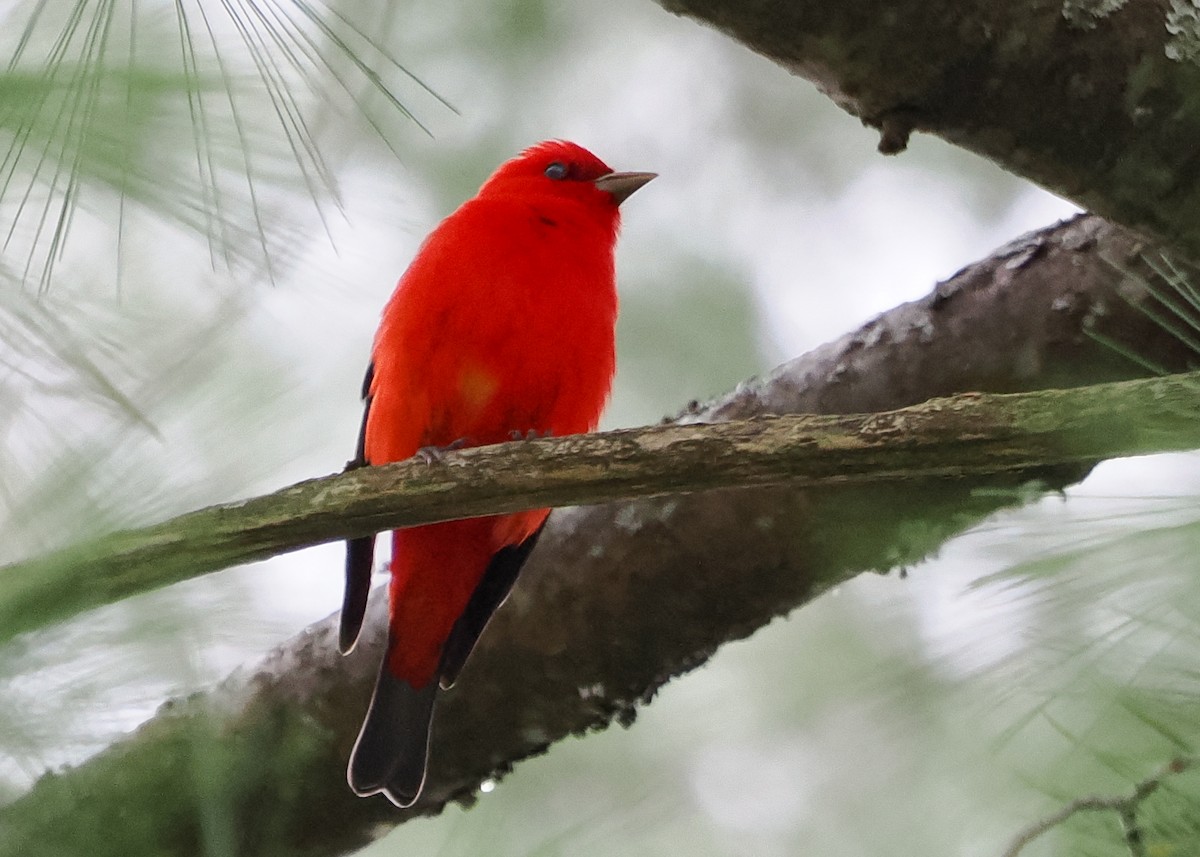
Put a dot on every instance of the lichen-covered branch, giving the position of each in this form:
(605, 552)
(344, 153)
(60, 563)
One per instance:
(1092, 99)
(618, 598)
(964, 436)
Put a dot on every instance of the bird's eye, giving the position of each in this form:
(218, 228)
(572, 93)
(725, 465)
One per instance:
(556, 171)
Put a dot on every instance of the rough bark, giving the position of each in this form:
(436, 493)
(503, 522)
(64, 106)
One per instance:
(1095, 100)
(618, 598)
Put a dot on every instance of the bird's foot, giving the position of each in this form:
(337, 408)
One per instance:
(532, 434)
(437, 454)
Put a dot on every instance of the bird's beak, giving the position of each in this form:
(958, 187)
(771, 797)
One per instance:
(622, 185)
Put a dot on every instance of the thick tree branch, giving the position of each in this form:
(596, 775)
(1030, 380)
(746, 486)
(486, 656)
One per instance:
(621, 597)
(1093, 99)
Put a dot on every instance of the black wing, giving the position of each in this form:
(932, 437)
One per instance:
(360, 552)
(489, 594)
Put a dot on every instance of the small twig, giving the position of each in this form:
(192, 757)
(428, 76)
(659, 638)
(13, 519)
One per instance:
(1125, 806)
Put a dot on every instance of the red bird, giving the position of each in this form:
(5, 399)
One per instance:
(502, 326)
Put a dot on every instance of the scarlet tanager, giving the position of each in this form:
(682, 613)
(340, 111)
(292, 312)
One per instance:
(502, 327)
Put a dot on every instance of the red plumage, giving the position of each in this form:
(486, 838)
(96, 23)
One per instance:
(502, 326)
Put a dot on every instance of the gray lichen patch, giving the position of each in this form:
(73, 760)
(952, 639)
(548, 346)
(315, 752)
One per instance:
(1183, 23)
(1086, 14)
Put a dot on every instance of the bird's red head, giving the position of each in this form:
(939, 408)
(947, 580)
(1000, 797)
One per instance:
(565, 170)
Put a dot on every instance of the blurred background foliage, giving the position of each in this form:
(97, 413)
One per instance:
(203, 206)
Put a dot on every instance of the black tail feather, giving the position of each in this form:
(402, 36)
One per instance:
(393, 746)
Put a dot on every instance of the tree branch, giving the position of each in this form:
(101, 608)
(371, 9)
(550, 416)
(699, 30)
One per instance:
(968, 435)
(1092, 100)
(618, 598)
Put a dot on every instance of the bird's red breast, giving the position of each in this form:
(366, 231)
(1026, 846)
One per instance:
(502, 326)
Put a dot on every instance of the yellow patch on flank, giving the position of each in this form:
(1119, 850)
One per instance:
(476, 387)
